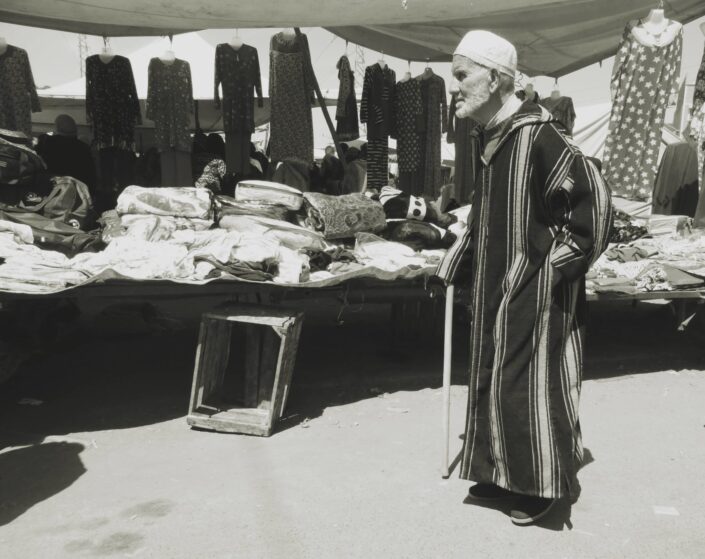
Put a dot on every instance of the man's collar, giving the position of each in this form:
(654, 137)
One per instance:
(508, 110)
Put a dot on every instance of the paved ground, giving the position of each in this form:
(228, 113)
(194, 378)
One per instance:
(106, 466)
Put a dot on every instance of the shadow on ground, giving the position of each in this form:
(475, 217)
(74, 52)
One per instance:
(122, 379)
(31, 474)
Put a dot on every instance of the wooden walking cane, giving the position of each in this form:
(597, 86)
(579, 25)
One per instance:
(447, 361)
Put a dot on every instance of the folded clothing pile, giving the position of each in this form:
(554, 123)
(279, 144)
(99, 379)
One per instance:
(669, 224)
(29, 269)
(186, 201)
(268, 193)
(341, 217)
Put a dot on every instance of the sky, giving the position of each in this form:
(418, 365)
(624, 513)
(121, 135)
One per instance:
(55, 60)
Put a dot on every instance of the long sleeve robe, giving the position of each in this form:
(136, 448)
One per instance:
(540, 217)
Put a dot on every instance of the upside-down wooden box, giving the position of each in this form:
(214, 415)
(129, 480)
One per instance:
(244, 362)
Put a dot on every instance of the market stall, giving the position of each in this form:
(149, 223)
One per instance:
(216, 226)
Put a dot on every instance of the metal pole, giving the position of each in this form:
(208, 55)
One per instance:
(447, 361)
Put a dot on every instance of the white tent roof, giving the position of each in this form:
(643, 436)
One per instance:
(553, 37)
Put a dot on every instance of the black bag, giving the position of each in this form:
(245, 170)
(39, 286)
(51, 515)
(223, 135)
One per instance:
(19, 163)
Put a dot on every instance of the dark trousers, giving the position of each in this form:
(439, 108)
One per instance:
(176, 168)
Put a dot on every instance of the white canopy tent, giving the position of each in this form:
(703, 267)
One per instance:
(553, 37)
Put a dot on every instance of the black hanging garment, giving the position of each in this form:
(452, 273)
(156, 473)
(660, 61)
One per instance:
(409, 115)
(112, 105)
(377, 110)
(170, 105)
(562, 110)
(291, 85)
(434, 123)
(464, 134)
(18, 94)
(238, 72)
(347, 127)
(113, 110)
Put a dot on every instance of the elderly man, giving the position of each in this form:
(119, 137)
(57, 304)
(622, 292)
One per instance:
(540, 217)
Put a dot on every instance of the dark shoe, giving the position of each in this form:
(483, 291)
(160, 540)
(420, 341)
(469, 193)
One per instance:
(488, 492)
(528, 510)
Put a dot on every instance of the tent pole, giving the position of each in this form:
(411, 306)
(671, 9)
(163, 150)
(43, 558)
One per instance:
(319, 96)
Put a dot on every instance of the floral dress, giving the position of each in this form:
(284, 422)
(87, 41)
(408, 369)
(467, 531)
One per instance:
(237, 71)
(642, 80)
(409, 115)
(112, 105)
(18, 94)
(170, 103)
(291, 94)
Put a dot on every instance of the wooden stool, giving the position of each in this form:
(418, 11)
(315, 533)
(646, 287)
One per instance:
(244, 362)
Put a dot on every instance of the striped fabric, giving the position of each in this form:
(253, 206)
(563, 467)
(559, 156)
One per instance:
(377, 163)
(540, 218)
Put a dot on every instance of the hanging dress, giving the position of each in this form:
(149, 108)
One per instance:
(409, 113)
(642, 80)
(347, 127)
(291, 94)
(112, 105)
(377, 110)
(18, 94)
(435, 111)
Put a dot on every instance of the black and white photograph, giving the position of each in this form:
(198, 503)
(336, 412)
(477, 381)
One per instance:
(352, 279)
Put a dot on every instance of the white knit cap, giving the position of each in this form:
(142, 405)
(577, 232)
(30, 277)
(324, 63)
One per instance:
(489, 50)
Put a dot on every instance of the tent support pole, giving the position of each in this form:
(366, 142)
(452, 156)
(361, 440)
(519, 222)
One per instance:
(319, 96)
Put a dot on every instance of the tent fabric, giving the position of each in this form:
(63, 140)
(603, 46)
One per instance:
(553, 37)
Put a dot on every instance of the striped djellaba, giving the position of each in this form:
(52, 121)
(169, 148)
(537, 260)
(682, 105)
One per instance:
(540, 217)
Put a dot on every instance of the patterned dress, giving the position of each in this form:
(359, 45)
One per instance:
(699, 94)
(435, 112)
(377, 110)
(18, 94)
(112, 105)
(291, 94)
(238, 72)
(170, 103)
(409, 114)
(643, 78)
(697, 131)
(347, 127)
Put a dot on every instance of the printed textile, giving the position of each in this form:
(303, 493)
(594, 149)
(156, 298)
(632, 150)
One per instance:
(18, 94)
(434, 123)
(377, 163)
(409, 114)
(170, 103)
(699, 93)
(377, 107)
(642, 80)
(237, 70)
(291, 93)
(540, 218)
(699, 135)
(340, 217)
(346, 112)
(112, 105)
